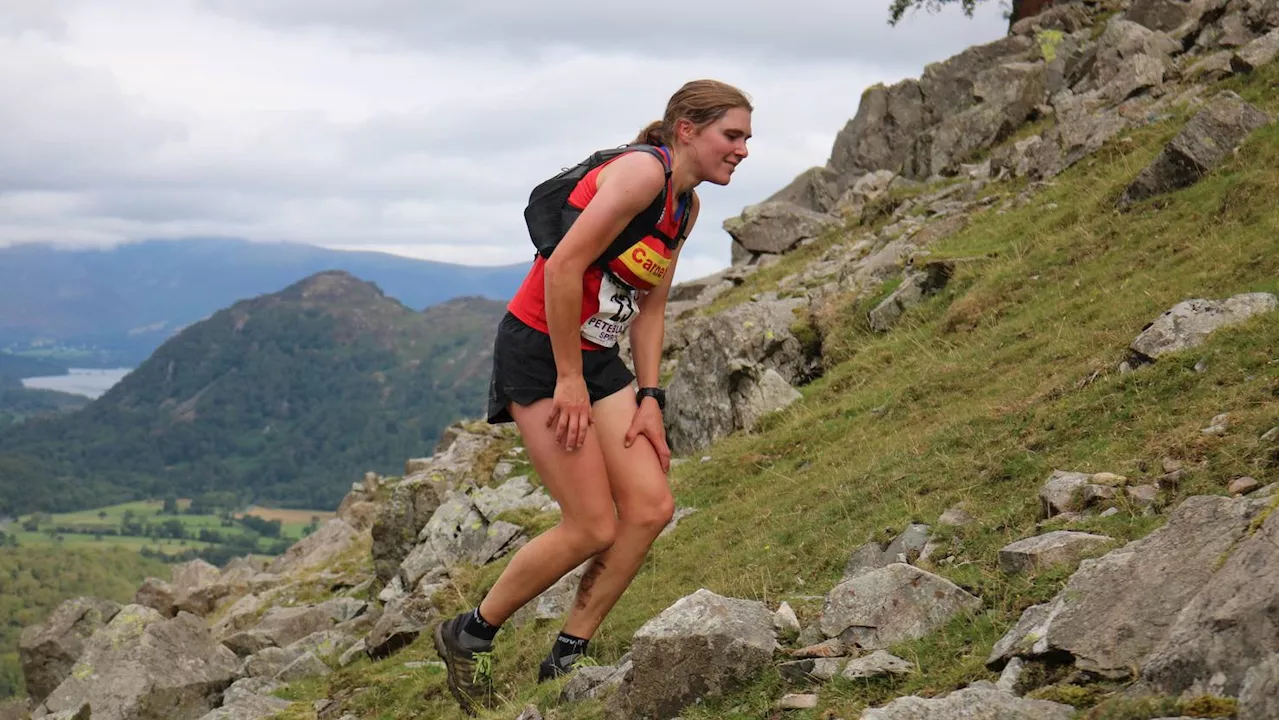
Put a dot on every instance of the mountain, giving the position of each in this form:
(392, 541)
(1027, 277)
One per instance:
(282, 398)
(125, 301)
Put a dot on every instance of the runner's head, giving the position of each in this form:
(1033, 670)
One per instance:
(707, 121)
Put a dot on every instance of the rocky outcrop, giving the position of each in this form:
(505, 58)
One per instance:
(1189, 323)
(1201, 146)
(142, 666)
(775, 227)
(49, 650)
(703, 646)
(1060, 547)
(890, 605)
(319, 548)
(730, 372)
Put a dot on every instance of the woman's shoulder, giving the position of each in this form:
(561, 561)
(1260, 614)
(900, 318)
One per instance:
(639, 169)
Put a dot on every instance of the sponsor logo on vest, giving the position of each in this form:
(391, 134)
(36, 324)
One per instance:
(646, 264)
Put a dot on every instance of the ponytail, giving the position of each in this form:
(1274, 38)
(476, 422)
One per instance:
(653, 134)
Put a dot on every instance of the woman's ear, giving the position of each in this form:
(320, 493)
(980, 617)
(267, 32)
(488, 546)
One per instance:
(685, 130)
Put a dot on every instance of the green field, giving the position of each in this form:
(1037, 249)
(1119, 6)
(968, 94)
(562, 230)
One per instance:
(91, 527)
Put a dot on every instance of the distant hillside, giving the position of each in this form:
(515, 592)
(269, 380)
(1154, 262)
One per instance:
(127, 300)
(284, 399)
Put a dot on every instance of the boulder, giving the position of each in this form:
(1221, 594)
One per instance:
(876, 664)
(1060, 547)
(158, 595)
(1228, 627)
(47, 651)
(285, 625)
(249, 699)
(1065, 18)
(1258, 693)
(1208, 138)
(971, 703)
(814, 189)
(401, 623)
(1211, 68)
(142, 666)
(1256, 53)
(892, 604)
(776, 227)
(195, 574)
(516, 493)
(948, 86)
(592, 682)
(306, 665)
(1115, 610)
(724, 367)
(880, 134)
(905, 548)
(1177, 17)
(319, 548)
(703, 646)
(917, 285)
(1190, 322)
(756, 391)
(1120, 43)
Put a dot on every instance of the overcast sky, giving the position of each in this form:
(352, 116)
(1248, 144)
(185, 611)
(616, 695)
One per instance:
(410, 126)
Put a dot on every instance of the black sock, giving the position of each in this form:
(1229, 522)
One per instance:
(476, 633)
(567, 649)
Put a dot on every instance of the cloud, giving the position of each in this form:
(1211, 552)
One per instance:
(385, 124)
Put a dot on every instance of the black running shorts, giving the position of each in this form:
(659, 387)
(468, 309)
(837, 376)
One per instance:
(524, 369)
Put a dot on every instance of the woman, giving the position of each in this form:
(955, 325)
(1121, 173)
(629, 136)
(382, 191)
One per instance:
(598, 446)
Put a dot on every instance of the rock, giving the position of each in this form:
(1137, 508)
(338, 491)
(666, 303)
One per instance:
(1121, 43)
(144, 667)
(880, 135)
(892, 604)
(1229, 626)
(916, 286)
(1243, 485)
(1070, 492)
(948, 87)
(286, 625)
(905, 548)
(267, 662)
(876, 664)
(971, 703)
(1066, 18)
(1211, 68)
(810, 670)
(195, 574)
(401, 623)
(307, 665)
(1115, 609)
(243, 613)
(797, 701)
(1060, 547)
(955, 517)
(703, 646)
(158, 595)
(1167, 15)
(785, 622)
(725, 366)
(321, 547)
(814, 189)
(1010, 676)
(352, 653)
(1142, 72)
(249, 699)
(1208, 138)
(680, 514)
(1189, 323)
(832, 647)
(1257, 53)
(866, 189)
(1257, 700)
(757, 391)
(776, 227)
(516, 493)
(1142, 496)
(590, 683)
(530, 712)
(49, 650)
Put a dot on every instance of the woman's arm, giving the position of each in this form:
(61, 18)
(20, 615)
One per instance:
(623, 190)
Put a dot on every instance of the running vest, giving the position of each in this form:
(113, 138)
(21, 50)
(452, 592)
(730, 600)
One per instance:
(610, 287)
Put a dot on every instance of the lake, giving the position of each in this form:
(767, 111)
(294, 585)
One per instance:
(91, 382)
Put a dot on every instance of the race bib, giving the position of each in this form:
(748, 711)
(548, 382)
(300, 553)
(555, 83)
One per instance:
(618, 308)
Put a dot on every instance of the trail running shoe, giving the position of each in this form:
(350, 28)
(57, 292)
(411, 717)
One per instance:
(550, 669)
(470, 674)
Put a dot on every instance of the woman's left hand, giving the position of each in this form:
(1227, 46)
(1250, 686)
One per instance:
(648, 422)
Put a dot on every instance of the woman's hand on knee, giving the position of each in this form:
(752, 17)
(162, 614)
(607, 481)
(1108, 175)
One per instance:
(571, 412)
(648, 422)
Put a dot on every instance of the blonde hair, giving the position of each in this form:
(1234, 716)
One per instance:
(701, 102)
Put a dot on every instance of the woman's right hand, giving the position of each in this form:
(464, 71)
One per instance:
(570, 412)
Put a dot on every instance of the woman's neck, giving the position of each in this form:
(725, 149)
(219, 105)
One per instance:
(683, 169)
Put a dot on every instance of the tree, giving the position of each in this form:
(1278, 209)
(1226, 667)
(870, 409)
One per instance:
(170, 505)
(898, 8)
(102, 514)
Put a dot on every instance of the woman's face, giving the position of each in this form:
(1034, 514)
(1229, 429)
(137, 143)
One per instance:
(718, 147)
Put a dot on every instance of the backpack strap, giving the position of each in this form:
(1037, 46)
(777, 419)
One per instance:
(643, 223)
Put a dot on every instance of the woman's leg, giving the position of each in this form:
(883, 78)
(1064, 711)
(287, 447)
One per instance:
(644, 506)
(578, 481)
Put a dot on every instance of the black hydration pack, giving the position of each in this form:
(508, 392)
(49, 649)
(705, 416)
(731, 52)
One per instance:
(549, 215)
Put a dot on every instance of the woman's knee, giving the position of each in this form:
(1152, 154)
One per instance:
(651, 515)
(594, 535)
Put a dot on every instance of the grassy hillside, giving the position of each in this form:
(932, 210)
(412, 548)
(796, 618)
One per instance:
(281, 399)
(974, 398)
(33, 581)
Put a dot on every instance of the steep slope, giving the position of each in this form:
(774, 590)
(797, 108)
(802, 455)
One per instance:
(280, 398)
(128, 300)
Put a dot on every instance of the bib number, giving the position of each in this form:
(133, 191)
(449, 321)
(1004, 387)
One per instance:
(618, 308)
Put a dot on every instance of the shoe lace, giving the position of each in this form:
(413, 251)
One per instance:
(483, 670)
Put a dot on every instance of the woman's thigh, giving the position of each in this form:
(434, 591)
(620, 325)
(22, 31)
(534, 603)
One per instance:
(640, 488)
(578, 479)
